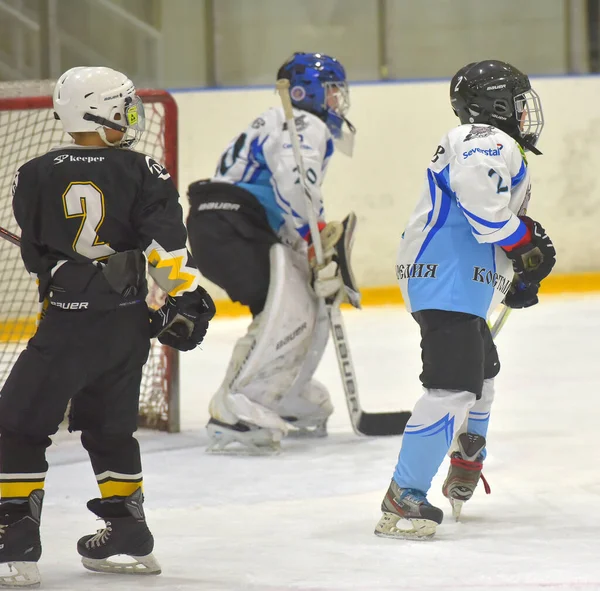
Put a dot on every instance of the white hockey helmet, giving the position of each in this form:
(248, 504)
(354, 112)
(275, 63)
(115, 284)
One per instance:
(92, 98)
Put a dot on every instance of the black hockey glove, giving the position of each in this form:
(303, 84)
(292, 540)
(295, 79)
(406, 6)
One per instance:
(534, 260)
(522, 295)
(182, 322)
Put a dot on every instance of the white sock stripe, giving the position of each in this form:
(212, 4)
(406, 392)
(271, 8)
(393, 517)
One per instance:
(117, 476)
(24, 476)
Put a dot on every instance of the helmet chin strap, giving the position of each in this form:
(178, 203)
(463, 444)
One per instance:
(529, 146)
(102, 134)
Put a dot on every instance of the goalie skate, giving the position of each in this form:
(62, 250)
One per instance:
(242, 439)
(306, 429)
(407, 515)
(464, 473)
(125, 535)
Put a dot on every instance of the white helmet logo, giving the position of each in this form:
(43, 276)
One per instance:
(297, 93)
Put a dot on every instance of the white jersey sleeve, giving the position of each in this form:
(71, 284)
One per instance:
(316, 146)
(484, 166)
(261, 160)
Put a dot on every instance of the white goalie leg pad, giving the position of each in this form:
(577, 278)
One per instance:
(307, 403)
(267, 361)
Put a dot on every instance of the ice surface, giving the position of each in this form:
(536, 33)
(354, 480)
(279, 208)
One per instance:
(304, 520)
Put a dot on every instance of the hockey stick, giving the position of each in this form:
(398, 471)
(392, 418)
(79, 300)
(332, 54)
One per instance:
(363, 423)
(500, 321)
(10, 237)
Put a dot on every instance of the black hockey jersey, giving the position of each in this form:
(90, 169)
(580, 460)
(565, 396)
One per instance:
(81, 205)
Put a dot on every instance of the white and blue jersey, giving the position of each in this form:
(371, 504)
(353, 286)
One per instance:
(261, 161)
(450, 258)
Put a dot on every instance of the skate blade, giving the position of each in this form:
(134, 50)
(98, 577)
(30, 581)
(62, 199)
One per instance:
(248, 443)
(230, 449)
(393, 526)
(137, 565)
(313, 430)
(26, 575)
(456, 508)
(305, 433)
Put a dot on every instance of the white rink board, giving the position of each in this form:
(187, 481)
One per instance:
(303, 520)
(399, 126)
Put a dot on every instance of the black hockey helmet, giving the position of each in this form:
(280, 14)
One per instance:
(496, 93)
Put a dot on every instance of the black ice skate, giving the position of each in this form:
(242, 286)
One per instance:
(20, 546)
(126, 533)
(464, 473)
(408, 515)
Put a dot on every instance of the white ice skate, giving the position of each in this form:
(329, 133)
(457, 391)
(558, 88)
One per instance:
(407, 515)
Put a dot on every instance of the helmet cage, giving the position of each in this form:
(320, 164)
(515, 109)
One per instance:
(135, 122)
(529, 115)
(337, 97)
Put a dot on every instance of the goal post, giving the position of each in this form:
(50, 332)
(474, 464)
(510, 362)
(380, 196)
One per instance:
(28, 129)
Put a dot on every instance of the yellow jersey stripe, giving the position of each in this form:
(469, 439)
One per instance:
(16, 490)
(114, 488)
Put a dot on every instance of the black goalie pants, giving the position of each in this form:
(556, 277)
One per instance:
(230, 239)
(94, 359)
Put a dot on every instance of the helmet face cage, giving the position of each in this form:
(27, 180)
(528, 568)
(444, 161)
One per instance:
(529, 114)
(135, 118)
(337, 97)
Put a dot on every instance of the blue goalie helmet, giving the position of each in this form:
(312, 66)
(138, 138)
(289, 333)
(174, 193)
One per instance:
(318, 85)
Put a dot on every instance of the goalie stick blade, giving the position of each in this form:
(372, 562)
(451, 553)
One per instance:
(378, 424)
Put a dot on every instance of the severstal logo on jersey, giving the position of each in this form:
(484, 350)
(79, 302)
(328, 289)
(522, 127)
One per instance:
(485, 151)
(303, 146)
(158, 169)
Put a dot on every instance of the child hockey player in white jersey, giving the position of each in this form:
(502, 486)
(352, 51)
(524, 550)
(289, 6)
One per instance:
(465, 241)
(249, 234)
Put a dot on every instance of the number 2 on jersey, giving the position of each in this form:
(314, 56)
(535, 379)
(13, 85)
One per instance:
(500, 187)
(85, 200)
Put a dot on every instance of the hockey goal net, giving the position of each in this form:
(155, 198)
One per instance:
(28, 129)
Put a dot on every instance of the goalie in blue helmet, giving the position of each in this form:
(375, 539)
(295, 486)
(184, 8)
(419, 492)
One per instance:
(249, 234)
(318, 85)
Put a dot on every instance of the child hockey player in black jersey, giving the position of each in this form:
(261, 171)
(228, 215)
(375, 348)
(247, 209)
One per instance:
(91, 213)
